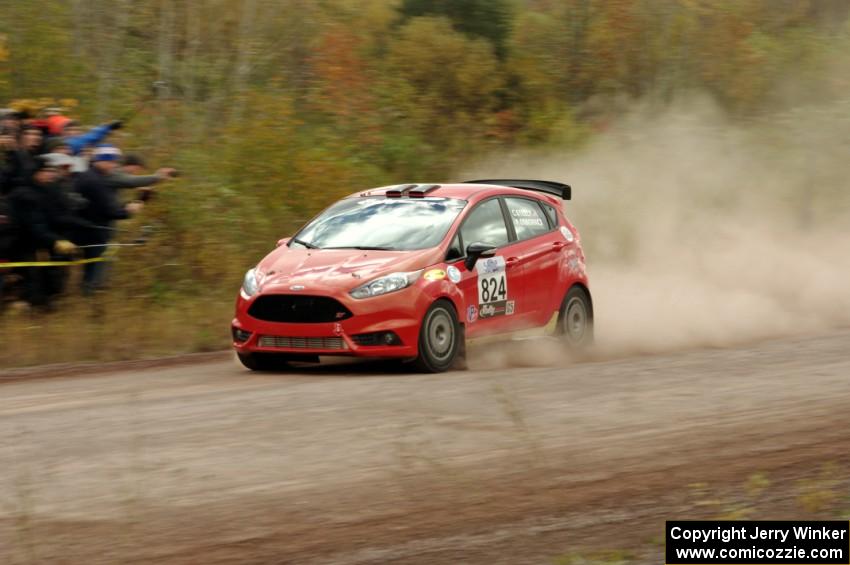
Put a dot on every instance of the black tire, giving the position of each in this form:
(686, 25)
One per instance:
(439, 338)
(575, 321)
(263, 361)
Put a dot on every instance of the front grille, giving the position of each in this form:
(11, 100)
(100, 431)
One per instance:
(298, 309)
(302, 342)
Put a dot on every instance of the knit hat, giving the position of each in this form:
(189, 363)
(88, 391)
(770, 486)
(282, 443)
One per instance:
(105, 152)
(57, 123)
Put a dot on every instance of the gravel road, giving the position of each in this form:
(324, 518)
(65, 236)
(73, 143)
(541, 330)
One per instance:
(356, 463)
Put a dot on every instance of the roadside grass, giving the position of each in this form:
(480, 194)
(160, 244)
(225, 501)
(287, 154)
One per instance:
(114, 327)
(819, 493)
(175, 294)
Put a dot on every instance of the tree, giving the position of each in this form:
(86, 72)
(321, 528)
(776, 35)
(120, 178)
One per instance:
(487, 19)
(444, 83)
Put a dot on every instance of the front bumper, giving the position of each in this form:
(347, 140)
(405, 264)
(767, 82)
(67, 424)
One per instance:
(399, 312)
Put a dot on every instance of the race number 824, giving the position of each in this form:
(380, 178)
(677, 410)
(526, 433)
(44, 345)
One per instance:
(492, 287)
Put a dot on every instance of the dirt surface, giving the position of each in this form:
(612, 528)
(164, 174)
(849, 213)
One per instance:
(354, 464)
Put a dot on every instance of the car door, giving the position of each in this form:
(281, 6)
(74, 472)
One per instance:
(494, 286)
(538, 250)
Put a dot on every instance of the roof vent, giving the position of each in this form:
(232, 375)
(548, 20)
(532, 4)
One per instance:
(400, 190)
(423, 190)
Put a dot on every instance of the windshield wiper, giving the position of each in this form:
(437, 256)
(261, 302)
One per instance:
(306, 244)
(363, 247)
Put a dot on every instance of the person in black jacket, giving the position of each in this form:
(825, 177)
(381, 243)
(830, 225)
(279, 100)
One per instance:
(102, 210)
(20, 157)
(68, 203)
(36, 217)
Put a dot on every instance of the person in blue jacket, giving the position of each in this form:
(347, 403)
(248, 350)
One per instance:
(74, 137)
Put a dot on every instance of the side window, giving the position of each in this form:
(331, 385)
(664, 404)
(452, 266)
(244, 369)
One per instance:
(527, 217)
(485, 224)
(552, 214)
(455, 251)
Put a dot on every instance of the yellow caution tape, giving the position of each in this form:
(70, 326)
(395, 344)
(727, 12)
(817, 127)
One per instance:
(104, 257)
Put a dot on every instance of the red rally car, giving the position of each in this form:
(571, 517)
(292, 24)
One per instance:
(413, 272)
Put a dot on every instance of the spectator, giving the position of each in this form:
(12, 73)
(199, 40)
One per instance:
(31, 139)
(57, 145)
(64, 205)
(8, 234)
(10, 123)
(8, 147)
(20, 158)
(7, 229)
(80, 163)
(130, 175)
(102, 210)
(77, 140)
(34, 215)
(67, 203)
(55, 121)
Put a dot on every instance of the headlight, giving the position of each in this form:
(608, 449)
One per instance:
(249, 284)
(383, 285)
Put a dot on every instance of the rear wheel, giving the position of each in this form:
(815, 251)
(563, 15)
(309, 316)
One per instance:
(263, 361)
(575, 323)
(439, 338)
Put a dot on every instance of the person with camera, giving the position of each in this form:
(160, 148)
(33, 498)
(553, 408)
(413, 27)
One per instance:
(102, 210)
(131, 175)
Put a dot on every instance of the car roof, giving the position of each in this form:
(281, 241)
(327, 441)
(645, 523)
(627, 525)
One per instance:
(464, 191)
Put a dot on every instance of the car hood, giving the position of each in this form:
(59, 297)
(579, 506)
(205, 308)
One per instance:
(327, 270)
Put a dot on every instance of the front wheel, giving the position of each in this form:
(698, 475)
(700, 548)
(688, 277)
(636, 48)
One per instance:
(439, 338)
(576, 319)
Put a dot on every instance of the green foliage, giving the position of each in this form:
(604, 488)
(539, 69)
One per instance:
(486, 19)
(35, 38)
(443, 84)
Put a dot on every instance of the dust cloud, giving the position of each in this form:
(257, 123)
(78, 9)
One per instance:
(703, 231)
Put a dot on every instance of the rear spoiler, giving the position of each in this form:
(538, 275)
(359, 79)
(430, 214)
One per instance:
(563, 191)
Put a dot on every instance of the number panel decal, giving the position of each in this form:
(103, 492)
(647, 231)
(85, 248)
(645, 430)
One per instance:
(493, 288)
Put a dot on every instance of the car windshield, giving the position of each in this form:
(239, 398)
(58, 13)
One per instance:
(398, 224)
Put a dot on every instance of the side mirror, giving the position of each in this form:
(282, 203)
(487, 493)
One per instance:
(476, 250)
(283, 241)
